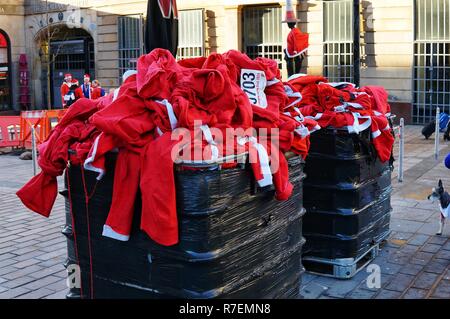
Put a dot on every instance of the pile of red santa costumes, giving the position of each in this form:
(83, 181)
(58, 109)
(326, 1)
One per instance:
(169, 111)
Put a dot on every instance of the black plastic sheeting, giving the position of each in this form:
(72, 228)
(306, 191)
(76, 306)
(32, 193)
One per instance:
(347, 195)
(235, 241)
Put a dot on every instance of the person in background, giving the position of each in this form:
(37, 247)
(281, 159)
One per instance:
(297, 42)
(97, 90)
(86, 86)
(74, 94)
(70, 91)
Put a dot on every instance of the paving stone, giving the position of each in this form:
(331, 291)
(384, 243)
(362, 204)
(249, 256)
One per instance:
(437, 266)
(361, 294)
(42, 283)
(6, 256)
(409, 249)
(344, 287)
(402, 236)
(22, 272)
(307, 278)
(411, 269)
(60, 295)
(421, 258)
(446, 246)
(390, 268)
(406, 226)
(18, 282)
(27, 263)
(414, 293)
(49, 271)
(425, 280)
(13, 293)
(439, 240)
(37, 294)
(313, 291)
(442, 290)
(429, 228)
(388, 294)
(430, 248)
(443, 254)
(446, 275)
(400, 283)
(418, 240)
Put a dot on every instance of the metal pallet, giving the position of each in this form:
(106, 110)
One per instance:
(343, 268)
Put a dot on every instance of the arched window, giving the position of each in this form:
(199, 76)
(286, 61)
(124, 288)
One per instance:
(5, 72)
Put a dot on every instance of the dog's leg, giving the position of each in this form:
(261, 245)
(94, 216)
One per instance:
(441, 225)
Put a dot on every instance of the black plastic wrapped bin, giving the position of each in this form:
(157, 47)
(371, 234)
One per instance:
(347, 195)
(235, 242)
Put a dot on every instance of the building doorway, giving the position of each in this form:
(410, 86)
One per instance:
(5, 73)
(69, 51)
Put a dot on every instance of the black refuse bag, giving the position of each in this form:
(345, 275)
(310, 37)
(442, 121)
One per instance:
(235, 241)
(429, 129)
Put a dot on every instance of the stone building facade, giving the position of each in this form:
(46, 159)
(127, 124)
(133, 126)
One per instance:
(405, 44)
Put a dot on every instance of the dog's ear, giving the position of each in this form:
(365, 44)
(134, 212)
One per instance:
(440, 183)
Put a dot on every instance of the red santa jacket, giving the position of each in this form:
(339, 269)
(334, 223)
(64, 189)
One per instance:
(65, 88)
(297, 43)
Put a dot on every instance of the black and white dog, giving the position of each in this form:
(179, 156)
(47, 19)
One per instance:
(444, 204)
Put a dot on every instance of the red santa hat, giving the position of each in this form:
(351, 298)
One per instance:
(87, 76)
(291, 17)
(67, 76)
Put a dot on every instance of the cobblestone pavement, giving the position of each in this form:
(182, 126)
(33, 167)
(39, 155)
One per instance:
(414, 263)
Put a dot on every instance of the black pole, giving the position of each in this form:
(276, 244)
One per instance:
(161, 27)
(356, 42)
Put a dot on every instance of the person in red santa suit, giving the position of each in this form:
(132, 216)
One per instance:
(97, 90)
(297, 42)
(70, 91)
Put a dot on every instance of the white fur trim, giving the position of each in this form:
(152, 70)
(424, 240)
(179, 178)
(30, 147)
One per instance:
(376, 134)
(263, 157)
(88, 163)
(335, 84)
(317, 117)
(302, 131)
(110, 233)
(127, 74)
(265, 166)
(209, 138)
(296, 76)
(172, 117)
(116, 94)
(272, 82)
(295, 54)
(291, 93)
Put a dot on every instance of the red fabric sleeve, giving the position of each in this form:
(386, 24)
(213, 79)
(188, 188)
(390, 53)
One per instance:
(159, 210)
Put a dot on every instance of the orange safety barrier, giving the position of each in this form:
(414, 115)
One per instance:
(43, 123)
(9, 131)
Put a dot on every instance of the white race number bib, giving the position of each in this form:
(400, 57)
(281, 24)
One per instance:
(253, 83)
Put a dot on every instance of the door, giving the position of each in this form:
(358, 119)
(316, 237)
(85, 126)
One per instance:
(70, 56)
(5, 73)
